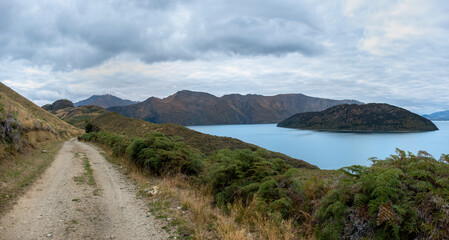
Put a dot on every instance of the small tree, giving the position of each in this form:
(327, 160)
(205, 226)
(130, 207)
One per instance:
(91, 128)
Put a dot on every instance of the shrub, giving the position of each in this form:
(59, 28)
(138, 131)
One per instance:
(243, 175)
(156, 152)
(402, 197)
(91, 128)
(11, 131)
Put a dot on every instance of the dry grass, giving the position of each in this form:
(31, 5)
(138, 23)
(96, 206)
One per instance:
(39, 126)
(17, 173)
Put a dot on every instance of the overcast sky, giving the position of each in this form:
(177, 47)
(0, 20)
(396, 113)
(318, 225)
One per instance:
(373, 51)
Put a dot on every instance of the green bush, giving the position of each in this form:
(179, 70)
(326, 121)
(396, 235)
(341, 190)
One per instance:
(402, 197)
(243, 175)
(156, 152)
(91, 128)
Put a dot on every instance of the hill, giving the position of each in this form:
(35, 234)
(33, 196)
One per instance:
(207, 144)
(371, 117)
(104, 101)
(78, 116)
(57, 105)
(438, 116)
(198, 108)
(25, 125)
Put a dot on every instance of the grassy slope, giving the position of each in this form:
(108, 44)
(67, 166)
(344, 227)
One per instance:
(78, 116)
(208, 144)
(39, 125)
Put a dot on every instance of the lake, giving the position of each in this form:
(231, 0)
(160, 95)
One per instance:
(333, 150)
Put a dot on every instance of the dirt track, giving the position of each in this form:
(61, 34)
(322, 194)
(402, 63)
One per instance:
(60, 206)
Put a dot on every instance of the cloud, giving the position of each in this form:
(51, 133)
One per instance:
(80, 34)
(384, 51)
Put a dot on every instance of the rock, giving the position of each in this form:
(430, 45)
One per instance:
(154, 191)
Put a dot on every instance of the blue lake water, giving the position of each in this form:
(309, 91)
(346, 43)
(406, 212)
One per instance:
(332, 150)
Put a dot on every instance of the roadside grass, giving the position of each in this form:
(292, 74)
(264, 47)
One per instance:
(17, 174)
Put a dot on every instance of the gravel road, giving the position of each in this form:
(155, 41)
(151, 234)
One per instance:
(63, 205)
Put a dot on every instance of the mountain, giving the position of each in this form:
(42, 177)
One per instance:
(198, 108)
(371, 117)
(104, 101)
(24, 125)
(57, 105)
(438, 116)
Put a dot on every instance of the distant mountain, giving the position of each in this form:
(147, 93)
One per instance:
(438, 116)
(371, 117)
(58, 105)
(104, 101)
(198, 108)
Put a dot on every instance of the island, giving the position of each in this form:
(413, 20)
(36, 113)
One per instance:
(372, 117)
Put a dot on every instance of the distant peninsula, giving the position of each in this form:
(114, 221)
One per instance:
(438, 116)
(373, 117)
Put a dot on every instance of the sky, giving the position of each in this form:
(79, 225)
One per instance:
(389, 51)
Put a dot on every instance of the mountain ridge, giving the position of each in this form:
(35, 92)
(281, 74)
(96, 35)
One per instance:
(104, 101)
(199, 108)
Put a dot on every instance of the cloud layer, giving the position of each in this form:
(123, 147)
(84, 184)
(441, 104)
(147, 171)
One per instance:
(383, 51)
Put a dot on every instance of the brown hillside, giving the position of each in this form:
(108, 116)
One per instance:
(78, 116)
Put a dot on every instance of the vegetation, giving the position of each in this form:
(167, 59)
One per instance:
(156, 152)
(207, 144)
(10, 132)
(402, 197)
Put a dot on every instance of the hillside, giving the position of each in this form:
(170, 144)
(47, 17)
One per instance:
(104, 101)
(438, 116)
(371, 117)
(197, 108)
(25, 125)
(78, 116)
(207, 144)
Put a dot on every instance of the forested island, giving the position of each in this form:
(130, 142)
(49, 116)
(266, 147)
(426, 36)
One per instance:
(373, 117)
